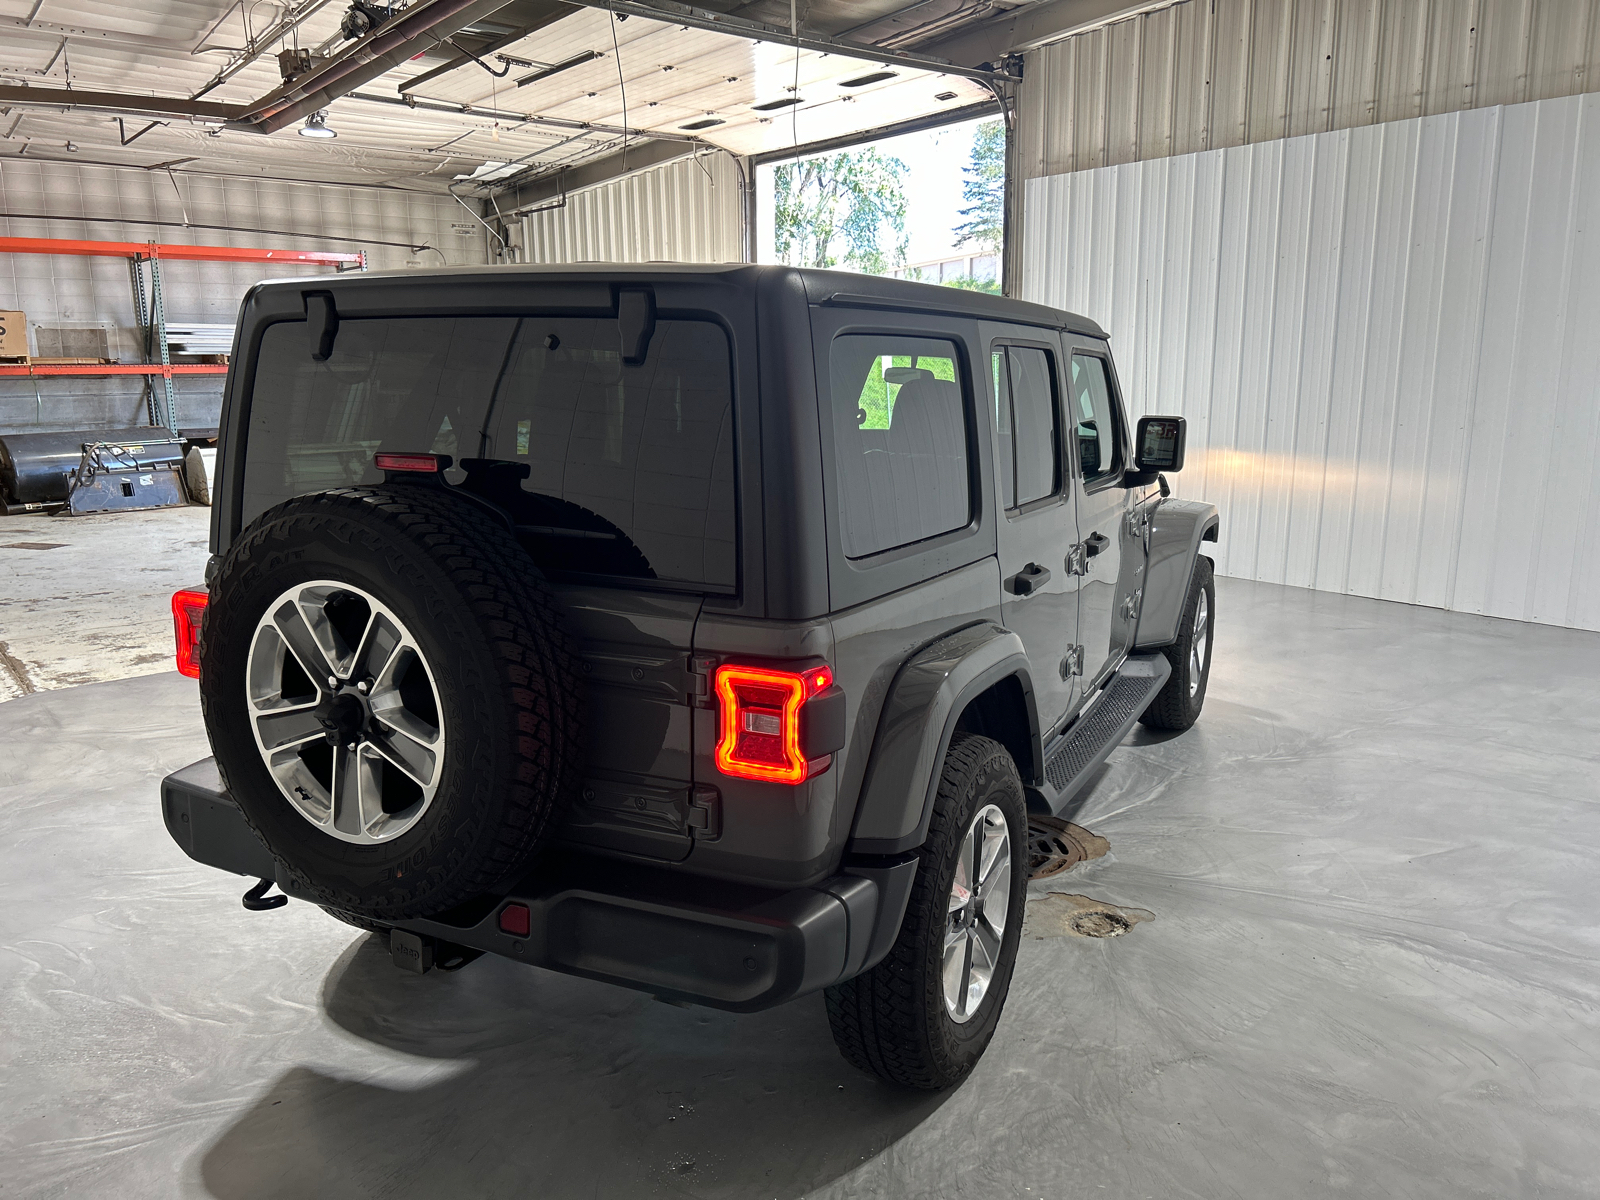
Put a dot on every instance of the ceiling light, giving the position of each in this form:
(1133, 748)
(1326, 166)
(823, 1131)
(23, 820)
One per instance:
(863, 80)
(71, 148)
(772, 104)
(317, 125)
(703, 123)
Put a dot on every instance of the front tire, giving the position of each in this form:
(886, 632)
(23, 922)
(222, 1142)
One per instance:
(924, 1016)
(1177, 705)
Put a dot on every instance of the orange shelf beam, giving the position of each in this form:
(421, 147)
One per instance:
(324, 258)
(27, 369)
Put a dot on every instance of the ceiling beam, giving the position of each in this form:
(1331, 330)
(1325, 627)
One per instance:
(701, 18)
(1033, 25)
(380, 51)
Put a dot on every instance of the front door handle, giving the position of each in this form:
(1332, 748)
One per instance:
(1095, 543)
(1028, 580)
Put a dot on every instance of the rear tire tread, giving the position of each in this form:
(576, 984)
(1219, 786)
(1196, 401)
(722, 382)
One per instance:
(879, 1018)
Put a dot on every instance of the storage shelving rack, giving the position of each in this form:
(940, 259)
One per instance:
(154, 322)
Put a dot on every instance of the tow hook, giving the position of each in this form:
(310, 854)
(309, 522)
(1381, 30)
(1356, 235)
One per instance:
(257, 900)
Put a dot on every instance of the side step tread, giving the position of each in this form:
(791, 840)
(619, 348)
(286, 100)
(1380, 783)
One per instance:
(1086, 744)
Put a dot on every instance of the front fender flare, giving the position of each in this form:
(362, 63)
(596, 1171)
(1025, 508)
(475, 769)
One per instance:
(918, 720)
(1176, 530)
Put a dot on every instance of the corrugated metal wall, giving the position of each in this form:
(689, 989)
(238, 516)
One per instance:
(1386, 341)
(63, 292)
(1207, 74)
(687, 210)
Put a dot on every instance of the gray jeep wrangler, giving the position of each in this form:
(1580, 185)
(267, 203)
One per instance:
(709, 631)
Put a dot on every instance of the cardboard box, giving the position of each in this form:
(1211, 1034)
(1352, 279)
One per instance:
(13, 334)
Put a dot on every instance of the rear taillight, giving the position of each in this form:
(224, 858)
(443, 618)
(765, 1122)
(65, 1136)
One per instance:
(188, 613)
(758, 722)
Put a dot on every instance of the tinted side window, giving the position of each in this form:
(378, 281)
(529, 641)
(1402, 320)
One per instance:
(1029, 434)
(900, 440)
(1096, 417)
(643, 453)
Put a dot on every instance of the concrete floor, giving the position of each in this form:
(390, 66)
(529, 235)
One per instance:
(1370, 972)
(96, 605)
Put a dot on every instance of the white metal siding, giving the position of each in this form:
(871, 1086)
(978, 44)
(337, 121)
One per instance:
(1386, 341)
(1208, 74)
(687, 210)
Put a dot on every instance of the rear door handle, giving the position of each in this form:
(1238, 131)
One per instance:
(1028, 580)
(1095, 543)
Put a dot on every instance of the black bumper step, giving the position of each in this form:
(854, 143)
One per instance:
(679, 936)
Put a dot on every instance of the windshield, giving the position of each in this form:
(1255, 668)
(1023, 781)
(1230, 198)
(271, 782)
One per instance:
(643, 453)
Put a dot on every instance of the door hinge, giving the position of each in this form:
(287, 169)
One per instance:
(698, 677)
(1077, 562)
(705, 811)
(1138, 523)
(1130, 606)
(1072, 664)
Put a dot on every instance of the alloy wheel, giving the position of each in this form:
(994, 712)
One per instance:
(975, 926)
(1200, 643)
(345, 712)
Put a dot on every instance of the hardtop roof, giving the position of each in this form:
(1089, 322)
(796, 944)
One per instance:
(824, 287)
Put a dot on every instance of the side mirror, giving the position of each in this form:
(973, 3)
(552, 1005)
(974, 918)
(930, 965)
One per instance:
(1160, 443)
(1157, 447)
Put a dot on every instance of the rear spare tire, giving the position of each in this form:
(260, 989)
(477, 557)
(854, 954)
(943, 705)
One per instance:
(391, 696)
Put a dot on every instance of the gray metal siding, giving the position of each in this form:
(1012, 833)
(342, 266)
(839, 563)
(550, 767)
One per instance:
(688, 210)
(1384, 340)
(1208, 74)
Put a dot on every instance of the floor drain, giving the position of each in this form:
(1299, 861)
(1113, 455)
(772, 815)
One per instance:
(1063, 915)
(1099, 924)
(1054, 845)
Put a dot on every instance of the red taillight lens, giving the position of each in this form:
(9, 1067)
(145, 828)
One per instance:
(188, 614)
(758, 722)
(386, 461)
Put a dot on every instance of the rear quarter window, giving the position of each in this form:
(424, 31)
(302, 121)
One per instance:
(900, 440)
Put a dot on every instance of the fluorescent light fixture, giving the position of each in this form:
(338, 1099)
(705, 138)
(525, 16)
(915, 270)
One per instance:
(577, 60)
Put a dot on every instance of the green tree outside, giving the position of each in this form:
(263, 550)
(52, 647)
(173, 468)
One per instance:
(847, 208)
(974, 283)
(878, 396)
(984, 189)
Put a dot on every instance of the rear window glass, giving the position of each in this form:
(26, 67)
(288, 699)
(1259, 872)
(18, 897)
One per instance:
(900, 441)
(642, 453)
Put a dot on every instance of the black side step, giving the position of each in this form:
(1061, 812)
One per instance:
(1078, 753)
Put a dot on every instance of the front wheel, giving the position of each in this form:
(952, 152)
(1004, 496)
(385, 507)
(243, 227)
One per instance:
(923, 1016)
(1177, 705)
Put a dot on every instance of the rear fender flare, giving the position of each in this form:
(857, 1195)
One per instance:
(1176, 530)
(919, 717)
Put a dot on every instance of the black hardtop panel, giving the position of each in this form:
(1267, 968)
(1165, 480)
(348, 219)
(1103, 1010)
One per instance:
(588, 285)
(851, 290)
(579, 290)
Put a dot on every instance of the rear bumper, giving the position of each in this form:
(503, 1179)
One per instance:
(678, 936)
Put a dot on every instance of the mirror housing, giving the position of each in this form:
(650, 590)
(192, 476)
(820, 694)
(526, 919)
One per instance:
(1158, 446)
